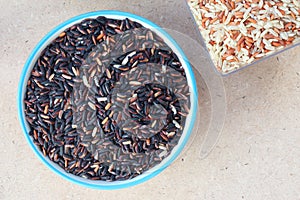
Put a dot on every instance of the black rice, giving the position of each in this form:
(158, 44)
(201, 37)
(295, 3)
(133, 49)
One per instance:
(107, 99)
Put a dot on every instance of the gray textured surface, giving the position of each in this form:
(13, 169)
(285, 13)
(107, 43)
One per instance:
(257, 156)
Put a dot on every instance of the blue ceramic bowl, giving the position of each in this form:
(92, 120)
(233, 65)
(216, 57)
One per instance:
(151, 172)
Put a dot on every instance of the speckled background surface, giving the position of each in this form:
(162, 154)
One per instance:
(256, 157)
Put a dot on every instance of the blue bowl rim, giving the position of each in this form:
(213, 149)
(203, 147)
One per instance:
(123, 184)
